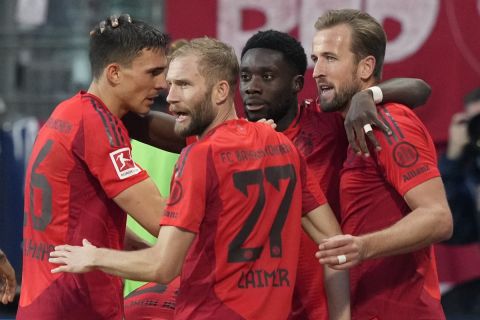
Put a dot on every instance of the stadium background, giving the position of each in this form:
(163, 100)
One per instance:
(44, 59)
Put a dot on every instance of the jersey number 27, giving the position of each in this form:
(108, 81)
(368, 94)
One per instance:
(272, 175)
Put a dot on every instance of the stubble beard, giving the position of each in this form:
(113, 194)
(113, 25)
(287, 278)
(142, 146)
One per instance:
(342, 96)
(201, 116)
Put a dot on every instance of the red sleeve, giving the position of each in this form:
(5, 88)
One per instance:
(408, 157)
(187, 202)
(312, 195)
(108, 153)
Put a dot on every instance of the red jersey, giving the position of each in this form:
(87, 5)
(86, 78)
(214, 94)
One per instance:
(242, 189)
(81, 159)
(320, 137)
(371, 193)
(152, 301)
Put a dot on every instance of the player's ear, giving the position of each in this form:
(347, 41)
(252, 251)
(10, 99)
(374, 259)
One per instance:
(298, 82)
(221, 91)
(112, 73)
(366, 67)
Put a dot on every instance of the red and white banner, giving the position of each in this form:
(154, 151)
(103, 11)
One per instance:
(435, 40)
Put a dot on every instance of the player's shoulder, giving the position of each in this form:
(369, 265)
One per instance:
(311, 112)
(195, 151)
(407, 131)
(396, 110)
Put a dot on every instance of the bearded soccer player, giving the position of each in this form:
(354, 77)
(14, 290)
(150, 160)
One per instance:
(272, 71)
(273, 65)
(239, 196)
(81, 178)
(393, 203)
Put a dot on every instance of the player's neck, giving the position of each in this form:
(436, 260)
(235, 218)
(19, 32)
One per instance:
(364, 86)
(225, 113)
(104, 94)
(285, 122)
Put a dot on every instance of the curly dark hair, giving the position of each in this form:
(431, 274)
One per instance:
(282, 42)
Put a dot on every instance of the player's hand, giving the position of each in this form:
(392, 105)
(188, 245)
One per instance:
(112, 21)
(363, 111)
(350, 246)
(268, 122)
(8, 282)
(73, 259)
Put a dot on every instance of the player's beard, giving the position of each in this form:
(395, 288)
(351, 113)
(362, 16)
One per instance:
(342, 97)
(201, 116)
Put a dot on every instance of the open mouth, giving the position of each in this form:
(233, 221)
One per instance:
(325, 89)
(180, 116)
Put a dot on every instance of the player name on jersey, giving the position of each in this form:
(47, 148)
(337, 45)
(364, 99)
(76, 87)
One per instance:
(37, 250)
(262, 278)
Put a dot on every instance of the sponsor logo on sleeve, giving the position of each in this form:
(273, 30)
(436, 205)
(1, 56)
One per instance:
(176, 194)
(405, 154)
(123, 163)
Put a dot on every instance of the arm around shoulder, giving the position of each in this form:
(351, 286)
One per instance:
(155, 129)
(411, 92)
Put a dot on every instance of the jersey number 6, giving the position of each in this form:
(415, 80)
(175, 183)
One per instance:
(38, 180)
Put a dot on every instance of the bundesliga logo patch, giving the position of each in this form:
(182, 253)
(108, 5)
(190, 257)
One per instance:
(123, 163)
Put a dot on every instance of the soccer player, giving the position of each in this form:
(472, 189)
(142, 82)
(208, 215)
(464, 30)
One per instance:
(272, 71)
(8, 281)
(393, 203)
(81, 179)
(233, 221)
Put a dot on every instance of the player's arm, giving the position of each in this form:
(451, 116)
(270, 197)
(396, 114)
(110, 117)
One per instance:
(160, 263)
(155, 129)
(144, 203)
(133, 241)
(320, 224)
(407, 91)
(430, 221)
(8, 282)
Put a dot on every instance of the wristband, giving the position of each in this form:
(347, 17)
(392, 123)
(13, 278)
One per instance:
(377, 94)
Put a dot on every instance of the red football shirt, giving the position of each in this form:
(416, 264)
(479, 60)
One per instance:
(242, 189)
(371, 193)
(152, 301)
(81, 159)
(320, 137)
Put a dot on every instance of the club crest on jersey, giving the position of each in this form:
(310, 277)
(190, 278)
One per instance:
(123, 163)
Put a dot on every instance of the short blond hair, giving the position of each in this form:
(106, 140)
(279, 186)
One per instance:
(217, 60)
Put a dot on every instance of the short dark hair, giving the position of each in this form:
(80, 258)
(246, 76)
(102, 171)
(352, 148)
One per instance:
(472, 96)
(282, 42)
(122, 43)
(368, 36)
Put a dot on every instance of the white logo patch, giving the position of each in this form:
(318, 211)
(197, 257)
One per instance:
(123, 163)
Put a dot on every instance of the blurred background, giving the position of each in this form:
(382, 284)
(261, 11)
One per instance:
(44, 59)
